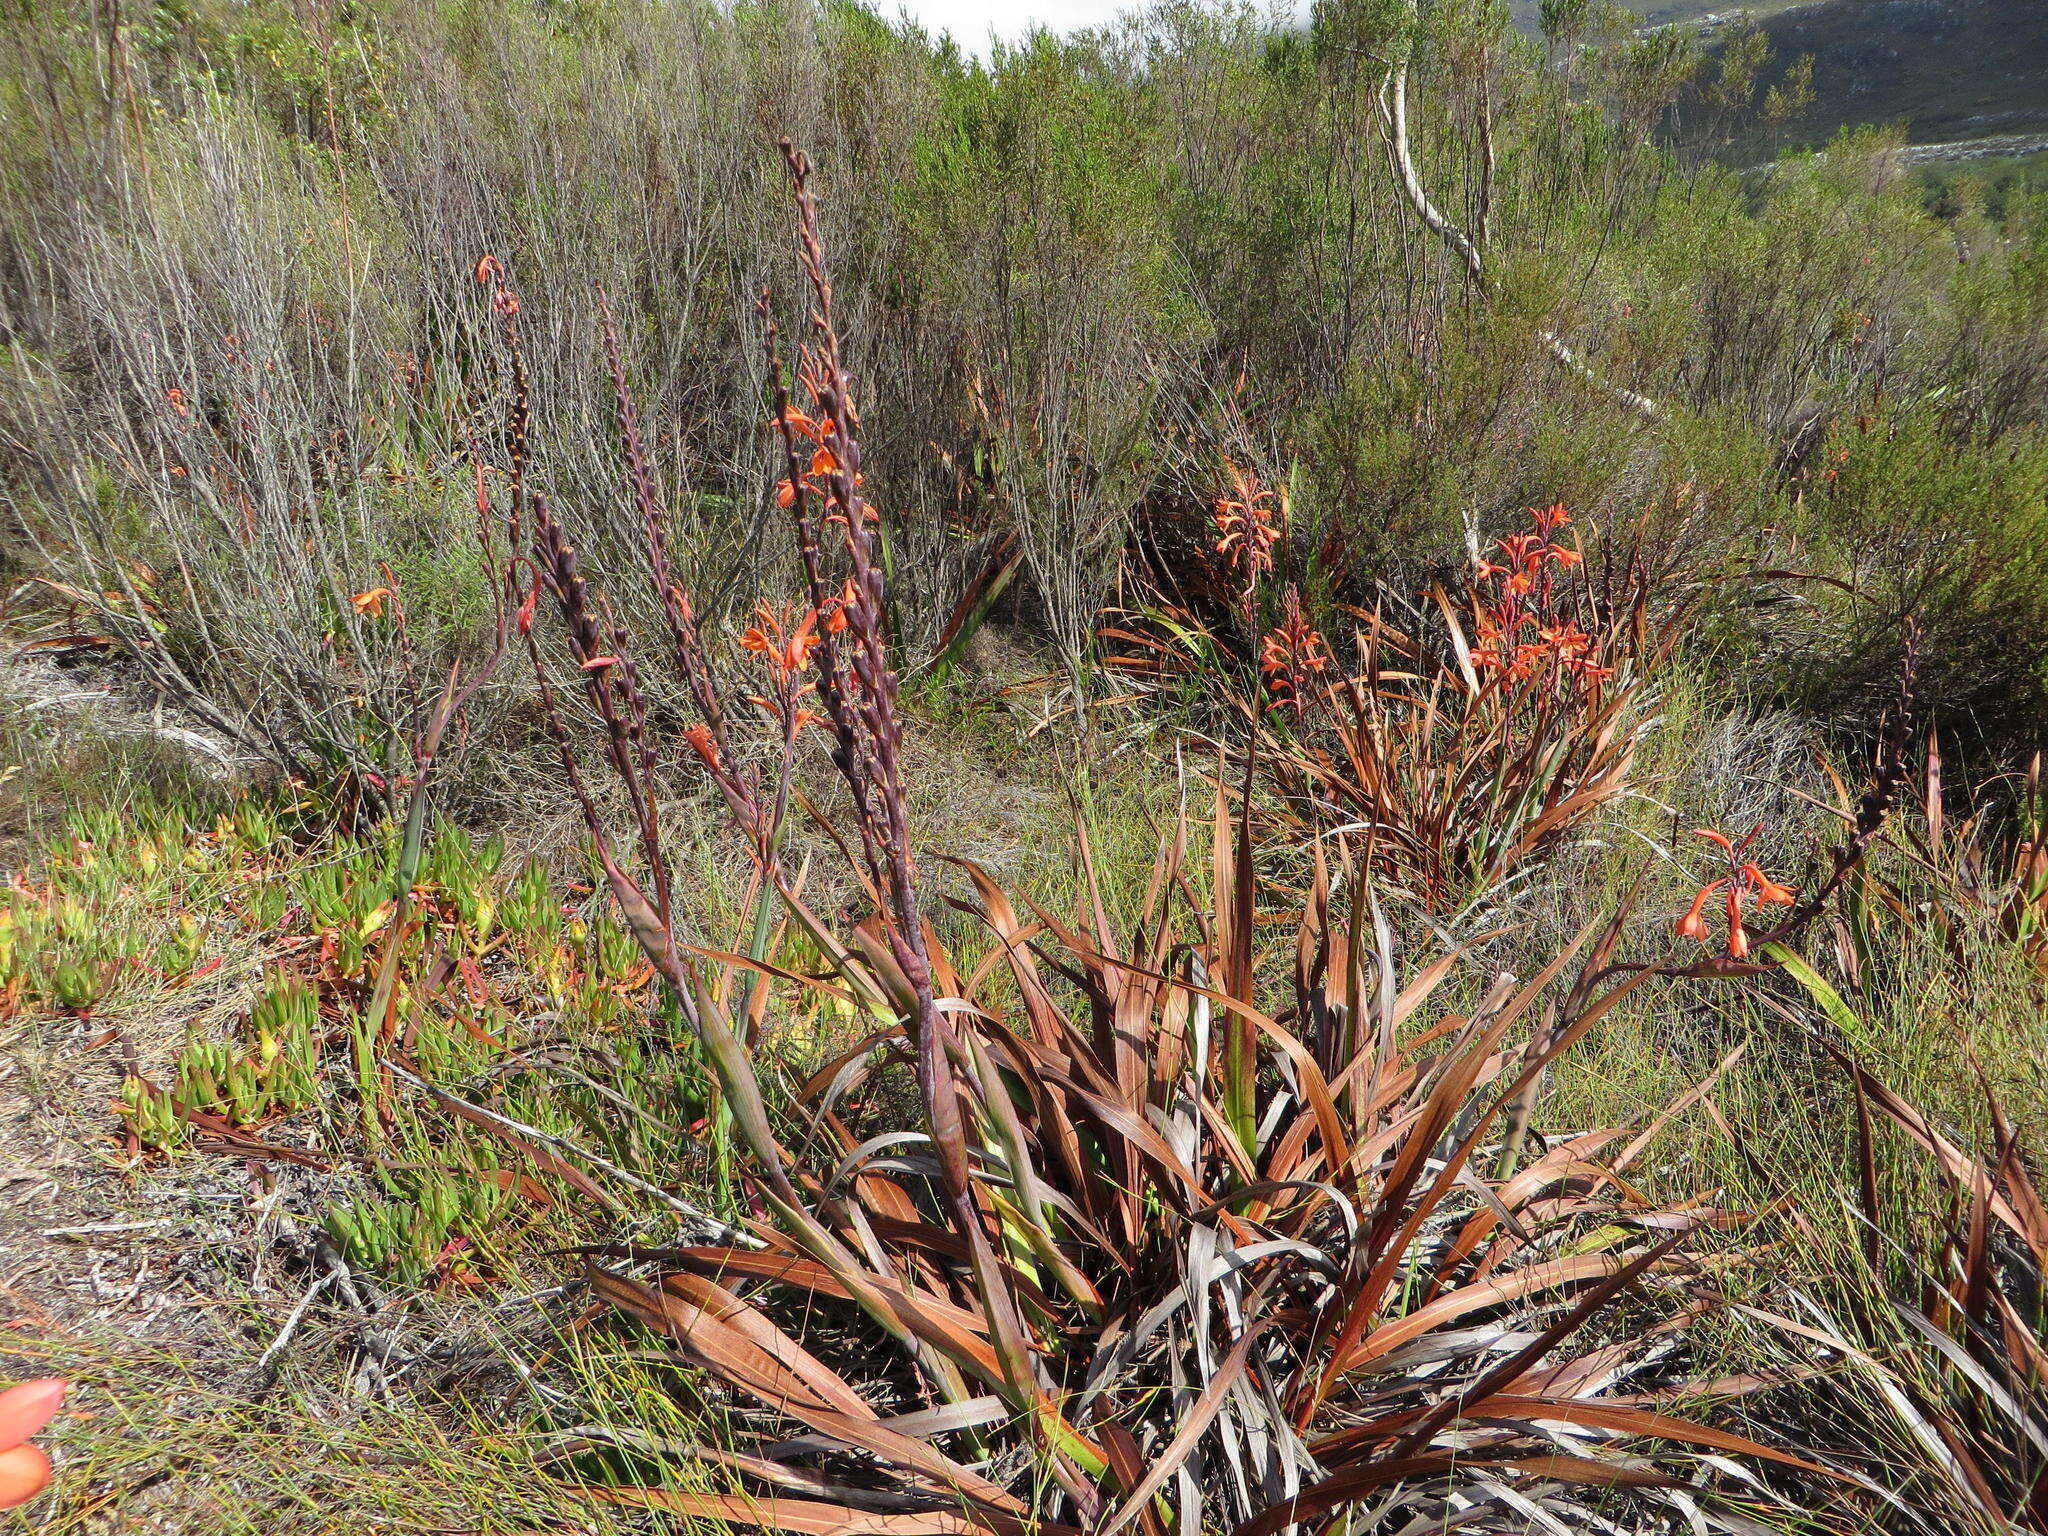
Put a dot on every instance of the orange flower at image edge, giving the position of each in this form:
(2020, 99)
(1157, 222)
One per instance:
(24, 1410)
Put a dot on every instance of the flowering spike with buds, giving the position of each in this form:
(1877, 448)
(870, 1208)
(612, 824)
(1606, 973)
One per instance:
(1524, 638)
(1290, 656)
(1744, 885)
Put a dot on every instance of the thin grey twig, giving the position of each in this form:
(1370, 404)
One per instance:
(724, 1232)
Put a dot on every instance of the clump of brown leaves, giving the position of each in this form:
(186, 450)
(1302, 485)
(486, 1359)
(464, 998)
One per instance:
(1183, 1237)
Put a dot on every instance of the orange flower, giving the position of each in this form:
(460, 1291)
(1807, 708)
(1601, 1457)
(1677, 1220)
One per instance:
(839, 610)
(24, 1410)
(785, 494)
(1522, 549)
(1245, 529)
(788, 649)
(702, 743)
(1567, 639)
(1745, 882)
(371, 602)
(1738, 937)
(1694, 924)
(1290, 655)
(1765, 888)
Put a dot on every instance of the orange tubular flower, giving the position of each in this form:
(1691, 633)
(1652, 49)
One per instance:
(787, 648)
(1246, 532)
(1745, 883)
(1694, 924)
(701, 742)
(1527, 637)
(1738, 936)
(1765, 888)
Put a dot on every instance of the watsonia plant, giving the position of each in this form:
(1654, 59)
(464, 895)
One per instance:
(1462, 757)
(1184, 1239)
(1466, 759)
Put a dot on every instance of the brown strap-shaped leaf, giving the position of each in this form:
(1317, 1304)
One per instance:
(1186, 1438)
(808, 1517)
(810, 1275)
(721, 1348)
(1636, 1421)
(745, 1364)
(1554, 1274)
(717, 1302)
(958, 1332)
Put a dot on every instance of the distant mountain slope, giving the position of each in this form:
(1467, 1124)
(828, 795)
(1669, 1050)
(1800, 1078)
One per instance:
(1947, 69)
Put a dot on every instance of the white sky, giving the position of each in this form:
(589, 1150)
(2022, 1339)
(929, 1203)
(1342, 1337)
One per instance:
(973, 21)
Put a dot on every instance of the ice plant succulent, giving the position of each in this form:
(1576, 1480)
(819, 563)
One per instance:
(1745, 885)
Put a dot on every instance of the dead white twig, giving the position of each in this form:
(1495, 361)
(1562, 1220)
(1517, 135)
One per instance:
(291, 1323)
(722, 1231)
(1394, 112)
